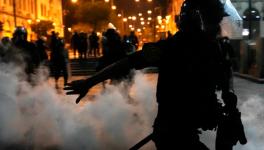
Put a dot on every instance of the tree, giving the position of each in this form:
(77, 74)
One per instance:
(41, 28)
(96, 14)
(1, 26)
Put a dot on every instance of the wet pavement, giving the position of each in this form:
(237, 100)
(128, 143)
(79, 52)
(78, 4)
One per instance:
(250, 102)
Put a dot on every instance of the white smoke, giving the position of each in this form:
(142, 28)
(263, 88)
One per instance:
(37, 117)
(250, 103)
(253, 119)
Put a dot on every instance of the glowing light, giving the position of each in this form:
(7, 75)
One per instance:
(74, 1)
(149, 11)
(134, 17)
(245, 32)
(114, 7)
(29, 21)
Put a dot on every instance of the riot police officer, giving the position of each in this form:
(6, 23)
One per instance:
(194, 55)
(28, 49)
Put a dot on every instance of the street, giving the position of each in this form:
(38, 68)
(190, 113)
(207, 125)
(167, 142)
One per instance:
(250, 103)
(115, 118)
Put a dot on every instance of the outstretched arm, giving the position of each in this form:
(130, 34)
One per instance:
(148, 56)
(82, 87)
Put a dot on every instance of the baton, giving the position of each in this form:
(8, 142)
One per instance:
(142, 142)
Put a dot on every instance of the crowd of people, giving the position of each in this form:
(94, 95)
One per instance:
(31, 55)
(51, 51)
(199, 55)
(91, 45)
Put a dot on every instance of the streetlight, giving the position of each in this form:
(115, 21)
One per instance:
(74, 1)
(149, 11)
(249, 19)
(14, 11)
(113, 7)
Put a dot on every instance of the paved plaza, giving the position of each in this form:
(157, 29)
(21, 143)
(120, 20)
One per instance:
(251, 102)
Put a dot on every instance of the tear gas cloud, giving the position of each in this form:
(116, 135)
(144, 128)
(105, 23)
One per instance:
(37, 117)
(251, 105)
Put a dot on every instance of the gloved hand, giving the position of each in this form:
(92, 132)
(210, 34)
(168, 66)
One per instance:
(230, 100)
(80, 87)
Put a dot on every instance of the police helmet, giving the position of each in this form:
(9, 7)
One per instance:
(61, 42)
(201, 15)
(20, 32)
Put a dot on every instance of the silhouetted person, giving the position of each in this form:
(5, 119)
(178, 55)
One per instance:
(127, 45)
(199, 72)
(83, 45)
(8, 53)
(169, 35)
(59, 59)
(114, 51)
(133, 39)
(5, 44)
(42, 47)
(94, 44)
(53, 40)
(75, 40)
(28, 49)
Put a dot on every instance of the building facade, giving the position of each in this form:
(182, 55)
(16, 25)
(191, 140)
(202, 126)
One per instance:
(25, 12)
(250, 47)
(247, 34)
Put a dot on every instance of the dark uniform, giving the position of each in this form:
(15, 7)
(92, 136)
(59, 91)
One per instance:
(28, 49)
(192, 68)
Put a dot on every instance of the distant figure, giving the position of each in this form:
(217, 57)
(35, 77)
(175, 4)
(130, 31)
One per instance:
(83, 45)
(200, 70)
(94, 44)
(113, 51)
(8, 53)
(59, 61)
(169, 35)
(127, 45)
(133, 39)
(75, 40)
(28, 49)
(42, 48)
(5, 44)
